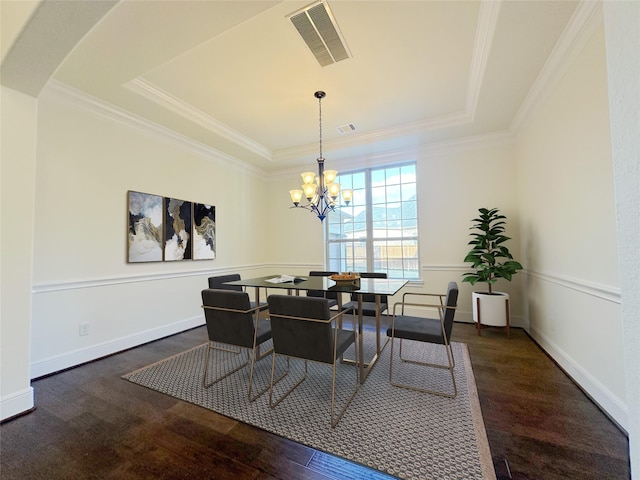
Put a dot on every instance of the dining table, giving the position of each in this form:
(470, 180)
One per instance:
(299, 284)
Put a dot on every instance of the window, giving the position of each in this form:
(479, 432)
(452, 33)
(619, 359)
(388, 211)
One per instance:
(378, 231)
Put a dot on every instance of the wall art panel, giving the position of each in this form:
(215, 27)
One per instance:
(145, 227)
(177, 229)
(204, 231)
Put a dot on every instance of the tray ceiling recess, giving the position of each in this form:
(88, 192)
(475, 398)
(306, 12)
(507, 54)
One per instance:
(319, 30)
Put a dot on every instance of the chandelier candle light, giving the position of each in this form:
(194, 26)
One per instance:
(320, 191)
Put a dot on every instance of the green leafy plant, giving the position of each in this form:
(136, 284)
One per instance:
(489, 256)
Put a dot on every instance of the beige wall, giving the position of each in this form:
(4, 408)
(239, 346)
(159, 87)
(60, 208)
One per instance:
(18, 157)
(568, 234)
(88, 159)
(623, 65)
(453, 182)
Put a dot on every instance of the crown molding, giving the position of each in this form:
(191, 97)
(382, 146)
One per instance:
(151, 92)
(430, 150)
(451, 120)
(487, 21)
(474, 142)
(62, 92)
(582, 25)
(584, 22)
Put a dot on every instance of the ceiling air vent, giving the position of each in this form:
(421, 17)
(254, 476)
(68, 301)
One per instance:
(348, 128)
(320, 32)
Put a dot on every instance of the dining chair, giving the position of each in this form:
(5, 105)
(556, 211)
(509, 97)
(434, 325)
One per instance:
(425, 330)
(369, 300)
(303, 328)
(219, 282)
(331, 296)
(231, 322)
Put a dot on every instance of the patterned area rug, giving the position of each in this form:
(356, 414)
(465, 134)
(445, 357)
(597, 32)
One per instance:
(400, 432)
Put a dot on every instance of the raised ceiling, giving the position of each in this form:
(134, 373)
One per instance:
(237, 77)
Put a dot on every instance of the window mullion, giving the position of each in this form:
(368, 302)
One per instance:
(369, 220)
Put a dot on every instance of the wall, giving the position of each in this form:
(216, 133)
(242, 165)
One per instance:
(454, 180)
(18, 156)
(454, 183)
(623, 64)
(295, 237)
(569, 235)
(89, 156)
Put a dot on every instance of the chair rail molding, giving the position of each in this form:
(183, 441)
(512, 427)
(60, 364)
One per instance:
(458, 267)
(604, 292)
(124, 279)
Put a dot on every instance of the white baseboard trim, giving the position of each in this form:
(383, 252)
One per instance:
(93, 352)
(517, 321)
(605, 399)
(16, 403)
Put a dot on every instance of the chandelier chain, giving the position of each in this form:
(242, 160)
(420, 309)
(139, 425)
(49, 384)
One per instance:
(320, 121)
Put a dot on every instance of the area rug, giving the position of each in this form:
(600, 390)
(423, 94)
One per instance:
(400, 432)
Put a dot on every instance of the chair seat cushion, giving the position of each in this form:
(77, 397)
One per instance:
(332, 302)
(264, 331)
(417, 328)
(368, 308)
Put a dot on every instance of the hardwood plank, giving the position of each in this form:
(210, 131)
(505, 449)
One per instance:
(89, 423)
(538, 421)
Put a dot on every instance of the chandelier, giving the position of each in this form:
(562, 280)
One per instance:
(321, 191)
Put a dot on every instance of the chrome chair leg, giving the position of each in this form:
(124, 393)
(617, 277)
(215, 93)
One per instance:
(450, 367)
(256, 357)
(274, 383)
(334, 419)
(206, 367)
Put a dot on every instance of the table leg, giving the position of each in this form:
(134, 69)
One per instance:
(361, 365)
(379, 348)
(364, 367)
(257, 300)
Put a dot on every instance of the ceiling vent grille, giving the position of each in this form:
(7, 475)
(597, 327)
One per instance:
(348, 128)
(320, 32)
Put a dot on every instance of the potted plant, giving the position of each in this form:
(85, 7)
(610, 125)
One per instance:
(490, 260)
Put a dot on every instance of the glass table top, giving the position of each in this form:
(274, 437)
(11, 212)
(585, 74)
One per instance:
(375, 286)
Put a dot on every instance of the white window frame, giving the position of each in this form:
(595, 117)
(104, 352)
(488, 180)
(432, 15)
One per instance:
(408, 237)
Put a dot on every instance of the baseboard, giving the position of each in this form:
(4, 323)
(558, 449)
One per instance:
(467, 317)
(93, 352)
(610, 404)
(16, 403)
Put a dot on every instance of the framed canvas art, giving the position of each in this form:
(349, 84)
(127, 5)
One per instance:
(145, 228)
(177, 229)
(204, 231)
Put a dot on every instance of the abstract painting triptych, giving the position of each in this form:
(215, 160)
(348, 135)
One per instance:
(169, 229)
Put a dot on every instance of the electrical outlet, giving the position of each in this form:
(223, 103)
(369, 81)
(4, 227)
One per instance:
(84, 329)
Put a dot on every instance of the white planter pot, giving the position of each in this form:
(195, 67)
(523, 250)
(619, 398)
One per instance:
(491, 310)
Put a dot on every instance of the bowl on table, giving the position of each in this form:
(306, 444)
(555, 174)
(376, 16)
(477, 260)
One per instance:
(346, 279)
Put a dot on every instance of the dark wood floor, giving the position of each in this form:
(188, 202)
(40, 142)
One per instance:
(91, 424)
